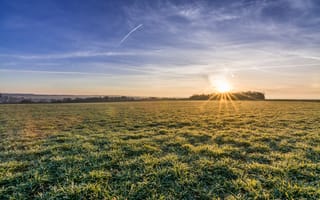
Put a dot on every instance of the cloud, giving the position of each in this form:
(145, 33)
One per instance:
(300, 4)
(54, 72)
(186, 41)
(80, 54)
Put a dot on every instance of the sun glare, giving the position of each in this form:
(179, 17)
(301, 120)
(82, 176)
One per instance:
(223, 86)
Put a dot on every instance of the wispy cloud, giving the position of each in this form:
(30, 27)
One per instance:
(80, 54)
(54, 72)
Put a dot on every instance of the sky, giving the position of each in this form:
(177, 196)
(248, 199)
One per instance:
(160, 48)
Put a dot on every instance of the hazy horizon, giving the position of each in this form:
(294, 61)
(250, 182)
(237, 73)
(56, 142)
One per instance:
(160, 48)
(101, 95)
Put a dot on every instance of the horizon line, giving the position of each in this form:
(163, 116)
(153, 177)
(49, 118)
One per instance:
(186, 97)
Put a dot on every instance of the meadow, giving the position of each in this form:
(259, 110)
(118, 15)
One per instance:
(161, 150)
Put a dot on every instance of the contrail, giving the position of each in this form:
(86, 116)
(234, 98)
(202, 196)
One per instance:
(133, 30)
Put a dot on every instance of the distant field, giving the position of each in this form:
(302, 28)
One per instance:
(160, 150)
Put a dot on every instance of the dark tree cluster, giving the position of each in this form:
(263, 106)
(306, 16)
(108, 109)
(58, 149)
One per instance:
(93, 99)
(250, 95)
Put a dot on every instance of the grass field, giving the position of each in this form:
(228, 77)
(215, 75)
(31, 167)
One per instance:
(160, 150)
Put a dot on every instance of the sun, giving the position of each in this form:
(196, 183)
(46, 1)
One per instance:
(222, 86)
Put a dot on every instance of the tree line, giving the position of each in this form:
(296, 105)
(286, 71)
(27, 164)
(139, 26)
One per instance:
(250, 95)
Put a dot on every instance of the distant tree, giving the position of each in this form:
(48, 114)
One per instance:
(26, 101)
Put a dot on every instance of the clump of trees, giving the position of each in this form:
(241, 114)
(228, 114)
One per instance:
(93, 99)
(250, 95)
(110, 99)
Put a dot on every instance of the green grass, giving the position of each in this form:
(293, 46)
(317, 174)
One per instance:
(160, 150)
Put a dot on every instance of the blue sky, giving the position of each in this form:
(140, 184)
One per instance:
(160, 48)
